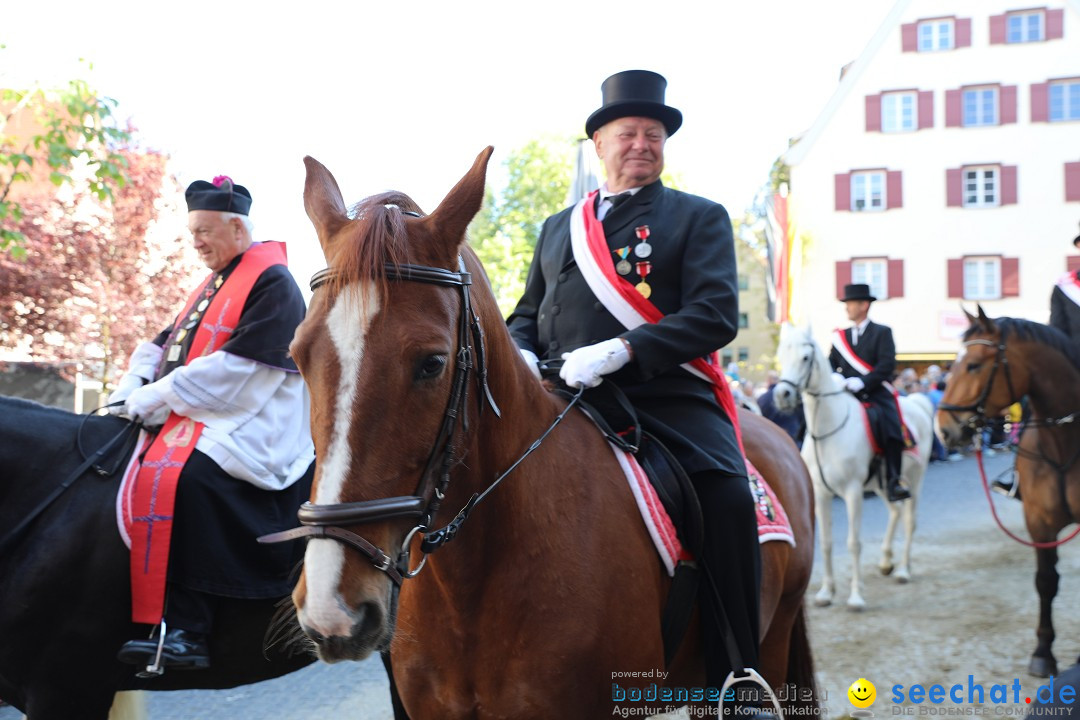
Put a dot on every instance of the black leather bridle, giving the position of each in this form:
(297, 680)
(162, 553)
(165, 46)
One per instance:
(979, 418)
(325, 521)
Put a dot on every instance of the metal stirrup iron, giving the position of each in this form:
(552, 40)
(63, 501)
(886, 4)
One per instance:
(155, 669)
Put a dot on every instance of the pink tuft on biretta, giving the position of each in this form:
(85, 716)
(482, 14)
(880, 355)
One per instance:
(221, 180)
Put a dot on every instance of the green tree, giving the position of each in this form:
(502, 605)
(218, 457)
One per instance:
(505, 231)
(47, 135)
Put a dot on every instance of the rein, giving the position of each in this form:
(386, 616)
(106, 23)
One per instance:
(325, 521)
(128, 435)
(993, 511)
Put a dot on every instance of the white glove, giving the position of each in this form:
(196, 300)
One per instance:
(585, 365)
(128, 384)
(146, 405)
(854, 384)
(532, 361)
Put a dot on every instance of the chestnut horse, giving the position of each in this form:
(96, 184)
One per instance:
(1001, 361)
(554, 591)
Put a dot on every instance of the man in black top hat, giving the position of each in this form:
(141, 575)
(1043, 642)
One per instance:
(866, 355)
(252, 462)
(665, 253)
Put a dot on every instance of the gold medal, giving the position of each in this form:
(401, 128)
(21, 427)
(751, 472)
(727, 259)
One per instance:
(643, 288)
(181, 335)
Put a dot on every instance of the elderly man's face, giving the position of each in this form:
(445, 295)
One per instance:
(632, 150)
(217, 240)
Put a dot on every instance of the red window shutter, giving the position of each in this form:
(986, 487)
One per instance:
(956, 278)
(954, 108)
(873, 113)
(1055, 24)
(909, 37)
(954, 189)
(843, 192)
(894, 189)
(896, 278)
(843, 276)
(1007, 102)
(997, 29)
(1010, 277)
(1008, 184)
(1072, 182)
(1040, 102)
(1072, 263)
(926, 109)
(963, 32)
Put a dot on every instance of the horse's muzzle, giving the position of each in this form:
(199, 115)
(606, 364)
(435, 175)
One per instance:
(369, 634)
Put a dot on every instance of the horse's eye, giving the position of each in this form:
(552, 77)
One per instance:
(431, 366)
(805, 358)
(973, 367)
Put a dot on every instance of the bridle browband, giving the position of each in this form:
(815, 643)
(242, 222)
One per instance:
(325, 521)
(979, 418)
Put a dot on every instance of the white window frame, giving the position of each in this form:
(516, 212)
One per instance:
(899, 111)
(873, 272)
(978, 96)
(982, 277)
(936, 35)
(980, 181)
(1022, 31)
(1066, 95)
(868, 188)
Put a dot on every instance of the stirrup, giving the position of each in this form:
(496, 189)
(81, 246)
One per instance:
(1010, 492)
(155, 668)
(755, 677)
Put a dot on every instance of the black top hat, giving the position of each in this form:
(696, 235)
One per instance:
(858, 291)
(221, 195)
(1076, 241)
(634, 93)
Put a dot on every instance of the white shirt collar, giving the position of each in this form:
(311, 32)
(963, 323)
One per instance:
(605, 193)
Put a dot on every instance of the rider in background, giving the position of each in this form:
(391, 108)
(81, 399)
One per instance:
(251, 465)
(866, 355)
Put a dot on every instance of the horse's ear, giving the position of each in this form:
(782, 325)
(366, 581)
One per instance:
(986, 322)
(972, 320)
(462, 203)
(322, 200)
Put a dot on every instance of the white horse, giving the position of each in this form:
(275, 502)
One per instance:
(839, 456)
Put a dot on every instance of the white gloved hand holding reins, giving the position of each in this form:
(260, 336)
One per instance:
(586, 366)
(854, 384)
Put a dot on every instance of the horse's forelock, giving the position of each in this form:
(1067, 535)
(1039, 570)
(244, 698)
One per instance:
(376, 236)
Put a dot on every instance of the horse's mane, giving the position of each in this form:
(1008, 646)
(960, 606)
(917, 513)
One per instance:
(375, 238)
(1036, 332)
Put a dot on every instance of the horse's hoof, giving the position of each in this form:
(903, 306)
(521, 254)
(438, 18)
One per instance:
(886, 569)
(903, 578)
(1042, 667)
(856, 605)
(822, 600)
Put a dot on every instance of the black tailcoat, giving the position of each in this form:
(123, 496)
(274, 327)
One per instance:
(877, 349)
(693, 281)
(1065, 314)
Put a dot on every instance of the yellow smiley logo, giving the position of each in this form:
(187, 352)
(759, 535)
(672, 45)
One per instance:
(862, 693)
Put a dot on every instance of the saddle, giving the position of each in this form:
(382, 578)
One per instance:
(875, 428)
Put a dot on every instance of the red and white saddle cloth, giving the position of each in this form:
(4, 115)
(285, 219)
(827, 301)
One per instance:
(630, 308)
(839, 341)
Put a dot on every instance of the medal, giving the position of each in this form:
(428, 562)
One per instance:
(623, 267)
(181, 335)
(643, 249)
(643, 270)
(174, 353)
(202, 305)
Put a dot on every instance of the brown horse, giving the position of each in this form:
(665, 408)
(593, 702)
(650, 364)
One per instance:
(554, 592)
(1002, 361)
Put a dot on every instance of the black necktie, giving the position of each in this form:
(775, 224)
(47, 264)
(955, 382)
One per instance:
(617, 200)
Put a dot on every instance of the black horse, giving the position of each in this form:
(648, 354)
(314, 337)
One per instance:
(65, 598)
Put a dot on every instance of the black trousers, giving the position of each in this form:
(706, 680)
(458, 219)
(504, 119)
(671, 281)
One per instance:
(732, 556)
(892, 434)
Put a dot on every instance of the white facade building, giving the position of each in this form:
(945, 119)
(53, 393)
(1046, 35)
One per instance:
(944, 170)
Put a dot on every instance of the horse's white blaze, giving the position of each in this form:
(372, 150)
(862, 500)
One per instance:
(347, 322)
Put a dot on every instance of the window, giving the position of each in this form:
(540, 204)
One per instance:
(1064, 100)
(868, 191)
(935, 35)
(744, 321)
(981, 187)
(726, 358)
(744, 354)
(744, 282)
(980, 106)
(982, 278)
(898, 112)
(1024, 27)
(873, 272)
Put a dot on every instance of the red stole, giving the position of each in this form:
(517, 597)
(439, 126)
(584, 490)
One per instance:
(159, 470)
(629, 306)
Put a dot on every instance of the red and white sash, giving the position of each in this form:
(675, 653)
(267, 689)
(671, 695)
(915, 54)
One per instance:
(1070, 286)
(149, 490)
(844, 348)
(625, 303)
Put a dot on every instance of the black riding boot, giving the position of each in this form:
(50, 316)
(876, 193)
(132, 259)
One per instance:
(188, 619)
(894, 489)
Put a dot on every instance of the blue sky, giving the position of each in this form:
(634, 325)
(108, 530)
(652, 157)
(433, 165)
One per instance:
(403, 95)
